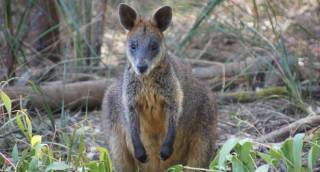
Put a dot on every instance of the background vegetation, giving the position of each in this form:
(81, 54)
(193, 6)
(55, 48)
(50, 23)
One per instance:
(261, 58)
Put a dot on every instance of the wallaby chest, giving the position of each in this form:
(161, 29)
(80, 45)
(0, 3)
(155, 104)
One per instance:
(150, 105)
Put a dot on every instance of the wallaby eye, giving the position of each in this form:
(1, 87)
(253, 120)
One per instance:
(154, 46)
(133, 45)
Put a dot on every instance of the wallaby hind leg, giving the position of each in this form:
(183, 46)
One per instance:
(202, 147)
(200, 154)
(122, 160)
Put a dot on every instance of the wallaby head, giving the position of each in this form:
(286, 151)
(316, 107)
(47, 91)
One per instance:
(145, 40)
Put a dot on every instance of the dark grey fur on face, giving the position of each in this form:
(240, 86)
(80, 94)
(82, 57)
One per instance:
(144, 47)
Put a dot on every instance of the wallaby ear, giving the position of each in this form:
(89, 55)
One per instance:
(127, 16)
(162, 18)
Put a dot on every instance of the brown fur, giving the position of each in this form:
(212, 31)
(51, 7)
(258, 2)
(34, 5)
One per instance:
(141, 23)
(169, 85)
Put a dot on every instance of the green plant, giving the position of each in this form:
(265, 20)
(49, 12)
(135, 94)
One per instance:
(242, 159)
(36, 154)
(240, 156)
(286, 64)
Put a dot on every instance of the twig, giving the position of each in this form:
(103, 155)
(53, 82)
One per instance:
(7, 160)
(198, 169)
(304, 123)
(205, 49)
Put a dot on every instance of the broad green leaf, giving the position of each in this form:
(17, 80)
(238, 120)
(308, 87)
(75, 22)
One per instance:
(34, 165)
(223, 154)
(57, 166)
(15, 154)
(20, 124)
(102, 151)
(25, 158)
(237, 165)
(245, 155)
(50, 154)
(287, 153)
(38, 149)
(29, 125)
(226, 149)
(313, 155)
(102, 167)
(262, 168)
(297, 151)
(275, 153)
(93, 166)
(35, 140)
(176, 168)
(272, 158)
(6, 101)
(265, 157)
(245, 151)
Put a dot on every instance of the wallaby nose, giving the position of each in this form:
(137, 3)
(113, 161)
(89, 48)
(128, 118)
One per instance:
(142, 68)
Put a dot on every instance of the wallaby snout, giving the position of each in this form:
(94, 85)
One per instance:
(142, 68)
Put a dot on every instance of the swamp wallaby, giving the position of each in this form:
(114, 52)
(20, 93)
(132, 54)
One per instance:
(157, 115)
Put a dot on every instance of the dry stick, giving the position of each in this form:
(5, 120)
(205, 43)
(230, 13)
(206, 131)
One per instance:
(229, 69)
(200, 63)
(300, 125)
(198, 169)
(8, 160)
(205, 49)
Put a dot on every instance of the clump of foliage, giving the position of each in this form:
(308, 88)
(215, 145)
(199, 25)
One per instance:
(239, 155)
(38, 155)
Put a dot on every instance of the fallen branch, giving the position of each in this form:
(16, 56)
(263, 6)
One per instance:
(216, 69)
(80, 94)
(298, 126)
(250, 96)
(90, 94)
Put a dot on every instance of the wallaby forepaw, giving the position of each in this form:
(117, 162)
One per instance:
(141, 155)
(165, 152)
